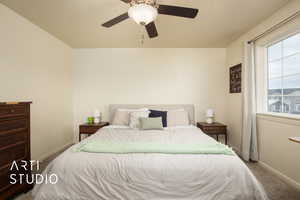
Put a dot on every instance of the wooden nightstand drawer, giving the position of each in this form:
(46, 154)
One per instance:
(214, 130)
(90, 128)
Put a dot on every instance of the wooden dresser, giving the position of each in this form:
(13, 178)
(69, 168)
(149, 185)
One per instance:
(14, 146)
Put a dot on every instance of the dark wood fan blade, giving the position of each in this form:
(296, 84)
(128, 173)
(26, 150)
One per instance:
(116, 20)
(126, 1)
(151, 29)
(177, 11)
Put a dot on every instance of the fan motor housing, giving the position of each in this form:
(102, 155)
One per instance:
(144, 12)
(149, 2)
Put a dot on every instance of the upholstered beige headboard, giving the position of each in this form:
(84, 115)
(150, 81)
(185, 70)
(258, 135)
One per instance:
(188, 107)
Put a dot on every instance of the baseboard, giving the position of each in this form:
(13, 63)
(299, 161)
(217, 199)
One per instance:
(236, 150)
(48, 155)
(283, 177)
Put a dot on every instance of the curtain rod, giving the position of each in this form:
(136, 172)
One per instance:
(275, 27)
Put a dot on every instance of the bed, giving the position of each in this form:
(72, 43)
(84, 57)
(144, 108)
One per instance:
(149, 176)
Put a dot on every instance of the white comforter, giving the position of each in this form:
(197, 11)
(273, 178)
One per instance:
(149, 176)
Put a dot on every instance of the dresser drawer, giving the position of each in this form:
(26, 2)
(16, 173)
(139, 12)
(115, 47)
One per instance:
(14, 146)
(12, 153)
(13, 137)
(12, 110)
(13, 124)
(4, 178)
(5, 175)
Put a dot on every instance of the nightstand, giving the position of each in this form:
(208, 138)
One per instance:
(90, 129)
(213, 129)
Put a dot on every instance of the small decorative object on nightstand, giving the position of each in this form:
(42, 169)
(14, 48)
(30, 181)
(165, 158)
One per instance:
(215, 128)
(90, 129)
(90, 120)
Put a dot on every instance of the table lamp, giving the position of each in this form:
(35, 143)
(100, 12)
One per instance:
(97, 116)
(210, 116)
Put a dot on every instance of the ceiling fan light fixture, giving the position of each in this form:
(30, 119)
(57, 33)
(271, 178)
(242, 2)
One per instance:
(142, 13)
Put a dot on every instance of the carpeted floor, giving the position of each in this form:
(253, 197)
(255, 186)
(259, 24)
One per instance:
(275, 188)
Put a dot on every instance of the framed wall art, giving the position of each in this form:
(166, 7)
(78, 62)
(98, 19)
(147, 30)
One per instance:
(236, 79)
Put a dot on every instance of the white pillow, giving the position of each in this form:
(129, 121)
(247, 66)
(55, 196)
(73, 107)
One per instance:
(134, 121)
(177, 118)
(133, 110)
(122, 116)
(179, 109)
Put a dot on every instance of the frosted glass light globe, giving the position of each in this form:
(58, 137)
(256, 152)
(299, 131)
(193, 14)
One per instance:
(142, 13)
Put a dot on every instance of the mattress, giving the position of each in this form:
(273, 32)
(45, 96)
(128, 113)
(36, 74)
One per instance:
(149, 176)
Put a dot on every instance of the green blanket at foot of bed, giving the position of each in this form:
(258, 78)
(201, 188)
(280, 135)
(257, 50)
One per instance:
(126, 148)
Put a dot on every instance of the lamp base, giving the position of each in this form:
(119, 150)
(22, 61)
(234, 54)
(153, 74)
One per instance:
(209, 120)
(97, 120)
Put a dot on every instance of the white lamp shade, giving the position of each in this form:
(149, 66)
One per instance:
(97, 113)
(210, 113)
(142, 13)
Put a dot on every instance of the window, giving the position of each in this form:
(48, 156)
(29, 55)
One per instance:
(284, 76)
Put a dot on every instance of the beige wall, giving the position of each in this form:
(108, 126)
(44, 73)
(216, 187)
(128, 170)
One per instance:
(149, 76)
(42, 73)
(36, 66)
(276, 152)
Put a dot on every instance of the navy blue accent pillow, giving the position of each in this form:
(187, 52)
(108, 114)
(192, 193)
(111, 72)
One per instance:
(158, 113)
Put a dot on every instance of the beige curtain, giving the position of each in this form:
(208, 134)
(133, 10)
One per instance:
(249, 138)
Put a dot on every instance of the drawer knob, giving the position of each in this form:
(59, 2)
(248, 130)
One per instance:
(12, 110)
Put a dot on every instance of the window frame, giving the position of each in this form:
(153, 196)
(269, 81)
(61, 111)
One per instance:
(267, 74)
(297, 107)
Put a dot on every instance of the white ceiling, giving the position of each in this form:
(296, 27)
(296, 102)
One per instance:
(78, 22)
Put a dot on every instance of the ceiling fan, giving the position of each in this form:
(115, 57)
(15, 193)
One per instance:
(144, 12)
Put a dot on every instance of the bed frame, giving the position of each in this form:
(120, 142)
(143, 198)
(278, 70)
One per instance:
(187, 107)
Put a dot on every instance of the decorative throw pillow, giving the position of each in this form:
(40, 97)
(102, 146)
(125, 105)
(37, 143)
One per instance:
(178, 118)
(122, 116)
(151, 123)
(158, 113)
(134, 121)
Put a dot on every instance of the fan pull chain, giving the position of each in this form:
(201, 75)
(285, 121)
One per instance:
(142, 40)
